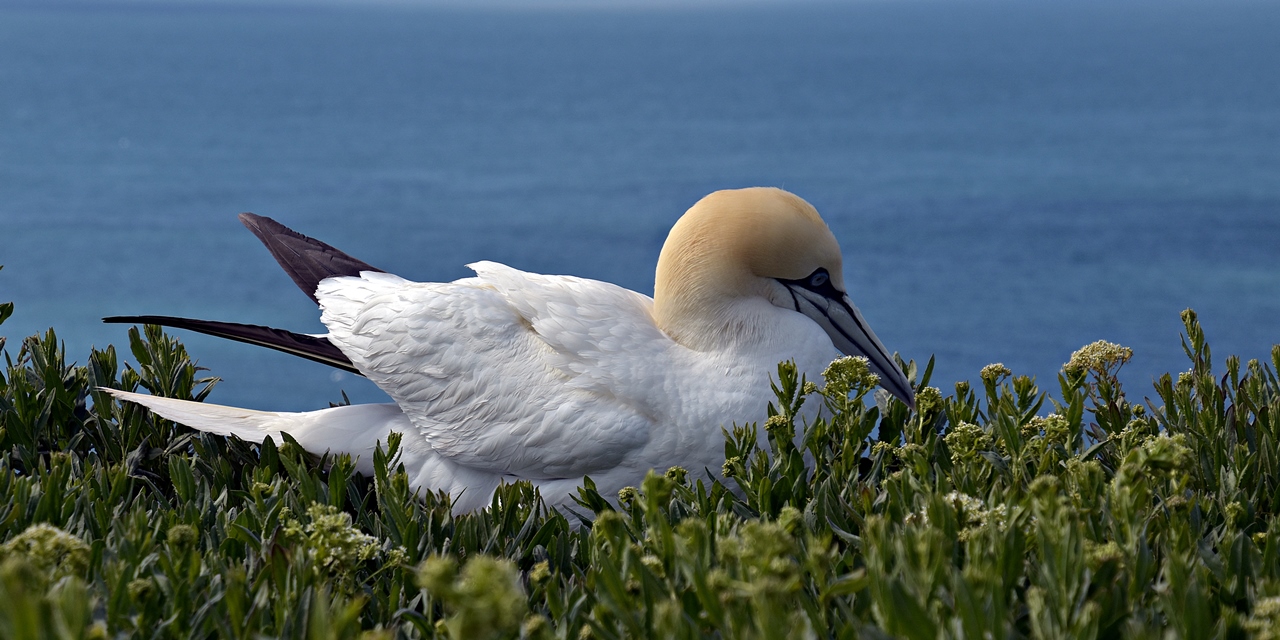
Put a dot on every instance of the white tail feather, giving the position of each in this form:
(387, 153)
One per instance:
(245, 424)
(351, 429)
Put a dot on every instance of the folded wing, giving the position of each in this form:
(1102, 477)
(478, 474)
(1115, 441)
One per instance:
(520, 373)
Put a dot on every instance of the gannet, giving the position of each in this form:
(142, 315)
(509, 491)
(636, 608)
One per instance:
(510, 375)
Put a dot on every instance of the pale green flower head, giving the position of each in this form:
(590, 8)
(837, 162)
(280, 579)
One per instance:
(1034, 427)
(965, 503)
(50, 550)
(966, 441)
(261, 490)
(182, 537)
(1264, 622)
(791, 519)
(994, 373)
(436, 574)
(917, 518)
(657, 487)
(397, 556)
(972, 514)
(485, 598)
(97, 631)
(1135, 433)
(970, 511)
(727, 469)
(1166, 453)
(490, 602)
(654, 564)
(1045, 486)
(1057, 429)
(909, 451)
(534, 626)
(628, 495)
(1234, 512)
(18, 570)
(1078, 467)
(331, 539)
(140, 590)
(779, 426)
(850, 373)
(540, 573)
(764, 553)
(1098, 357)
(1097, 555)
(928, 399)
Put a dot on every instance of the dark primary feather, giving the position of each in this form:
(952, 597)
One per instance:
(298, 344)
(306, 260)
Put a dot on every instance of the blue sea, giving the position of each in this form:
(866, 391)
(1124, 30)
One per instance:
(1008, 180)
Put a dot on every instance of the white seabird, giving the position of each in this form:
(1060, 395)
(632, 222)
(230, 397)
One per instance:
(519, 376)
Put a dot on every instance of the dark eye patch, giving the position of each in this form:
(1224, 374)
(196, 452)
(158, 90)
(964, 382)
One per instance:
(818, 282)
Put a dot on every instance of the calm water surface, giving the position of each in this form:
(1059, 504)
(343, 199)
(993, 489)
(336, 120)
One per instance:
(1009, 181)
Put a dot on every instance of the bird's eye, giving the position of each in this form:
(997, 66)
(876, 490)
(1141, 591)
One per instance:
(818, 278)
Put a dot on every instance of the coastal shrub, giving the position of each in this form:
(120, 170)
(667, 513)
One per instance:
(998, 511)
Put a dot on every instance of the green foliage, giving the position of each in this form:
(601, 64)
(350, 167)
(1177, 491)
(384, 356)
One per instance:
(995, 512)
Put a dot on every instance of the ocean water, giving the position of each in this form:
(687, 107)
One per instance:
(1009, 180)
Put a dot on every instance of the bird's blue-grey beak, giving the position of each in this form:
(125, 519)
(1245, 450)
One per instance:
(816, 298)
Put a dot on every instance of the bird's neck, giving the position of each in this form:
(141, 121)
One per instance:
(704, 297)
(705, 320)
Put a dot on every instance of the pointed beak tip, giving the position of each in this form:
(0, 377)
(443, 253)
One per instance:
(908, 398)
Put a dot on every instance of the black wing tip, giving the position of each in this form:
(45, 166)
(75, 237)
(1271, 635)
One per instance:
(133, 319)
(264, 227)
(306, 259)
(314, 348)
(252, 220)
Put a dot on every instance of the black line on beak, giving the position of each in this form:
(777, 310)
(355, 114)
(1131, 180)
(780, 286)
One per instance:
(831, 294)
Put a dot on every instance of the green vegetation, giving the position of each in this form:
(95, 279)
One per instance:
(997, 511)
